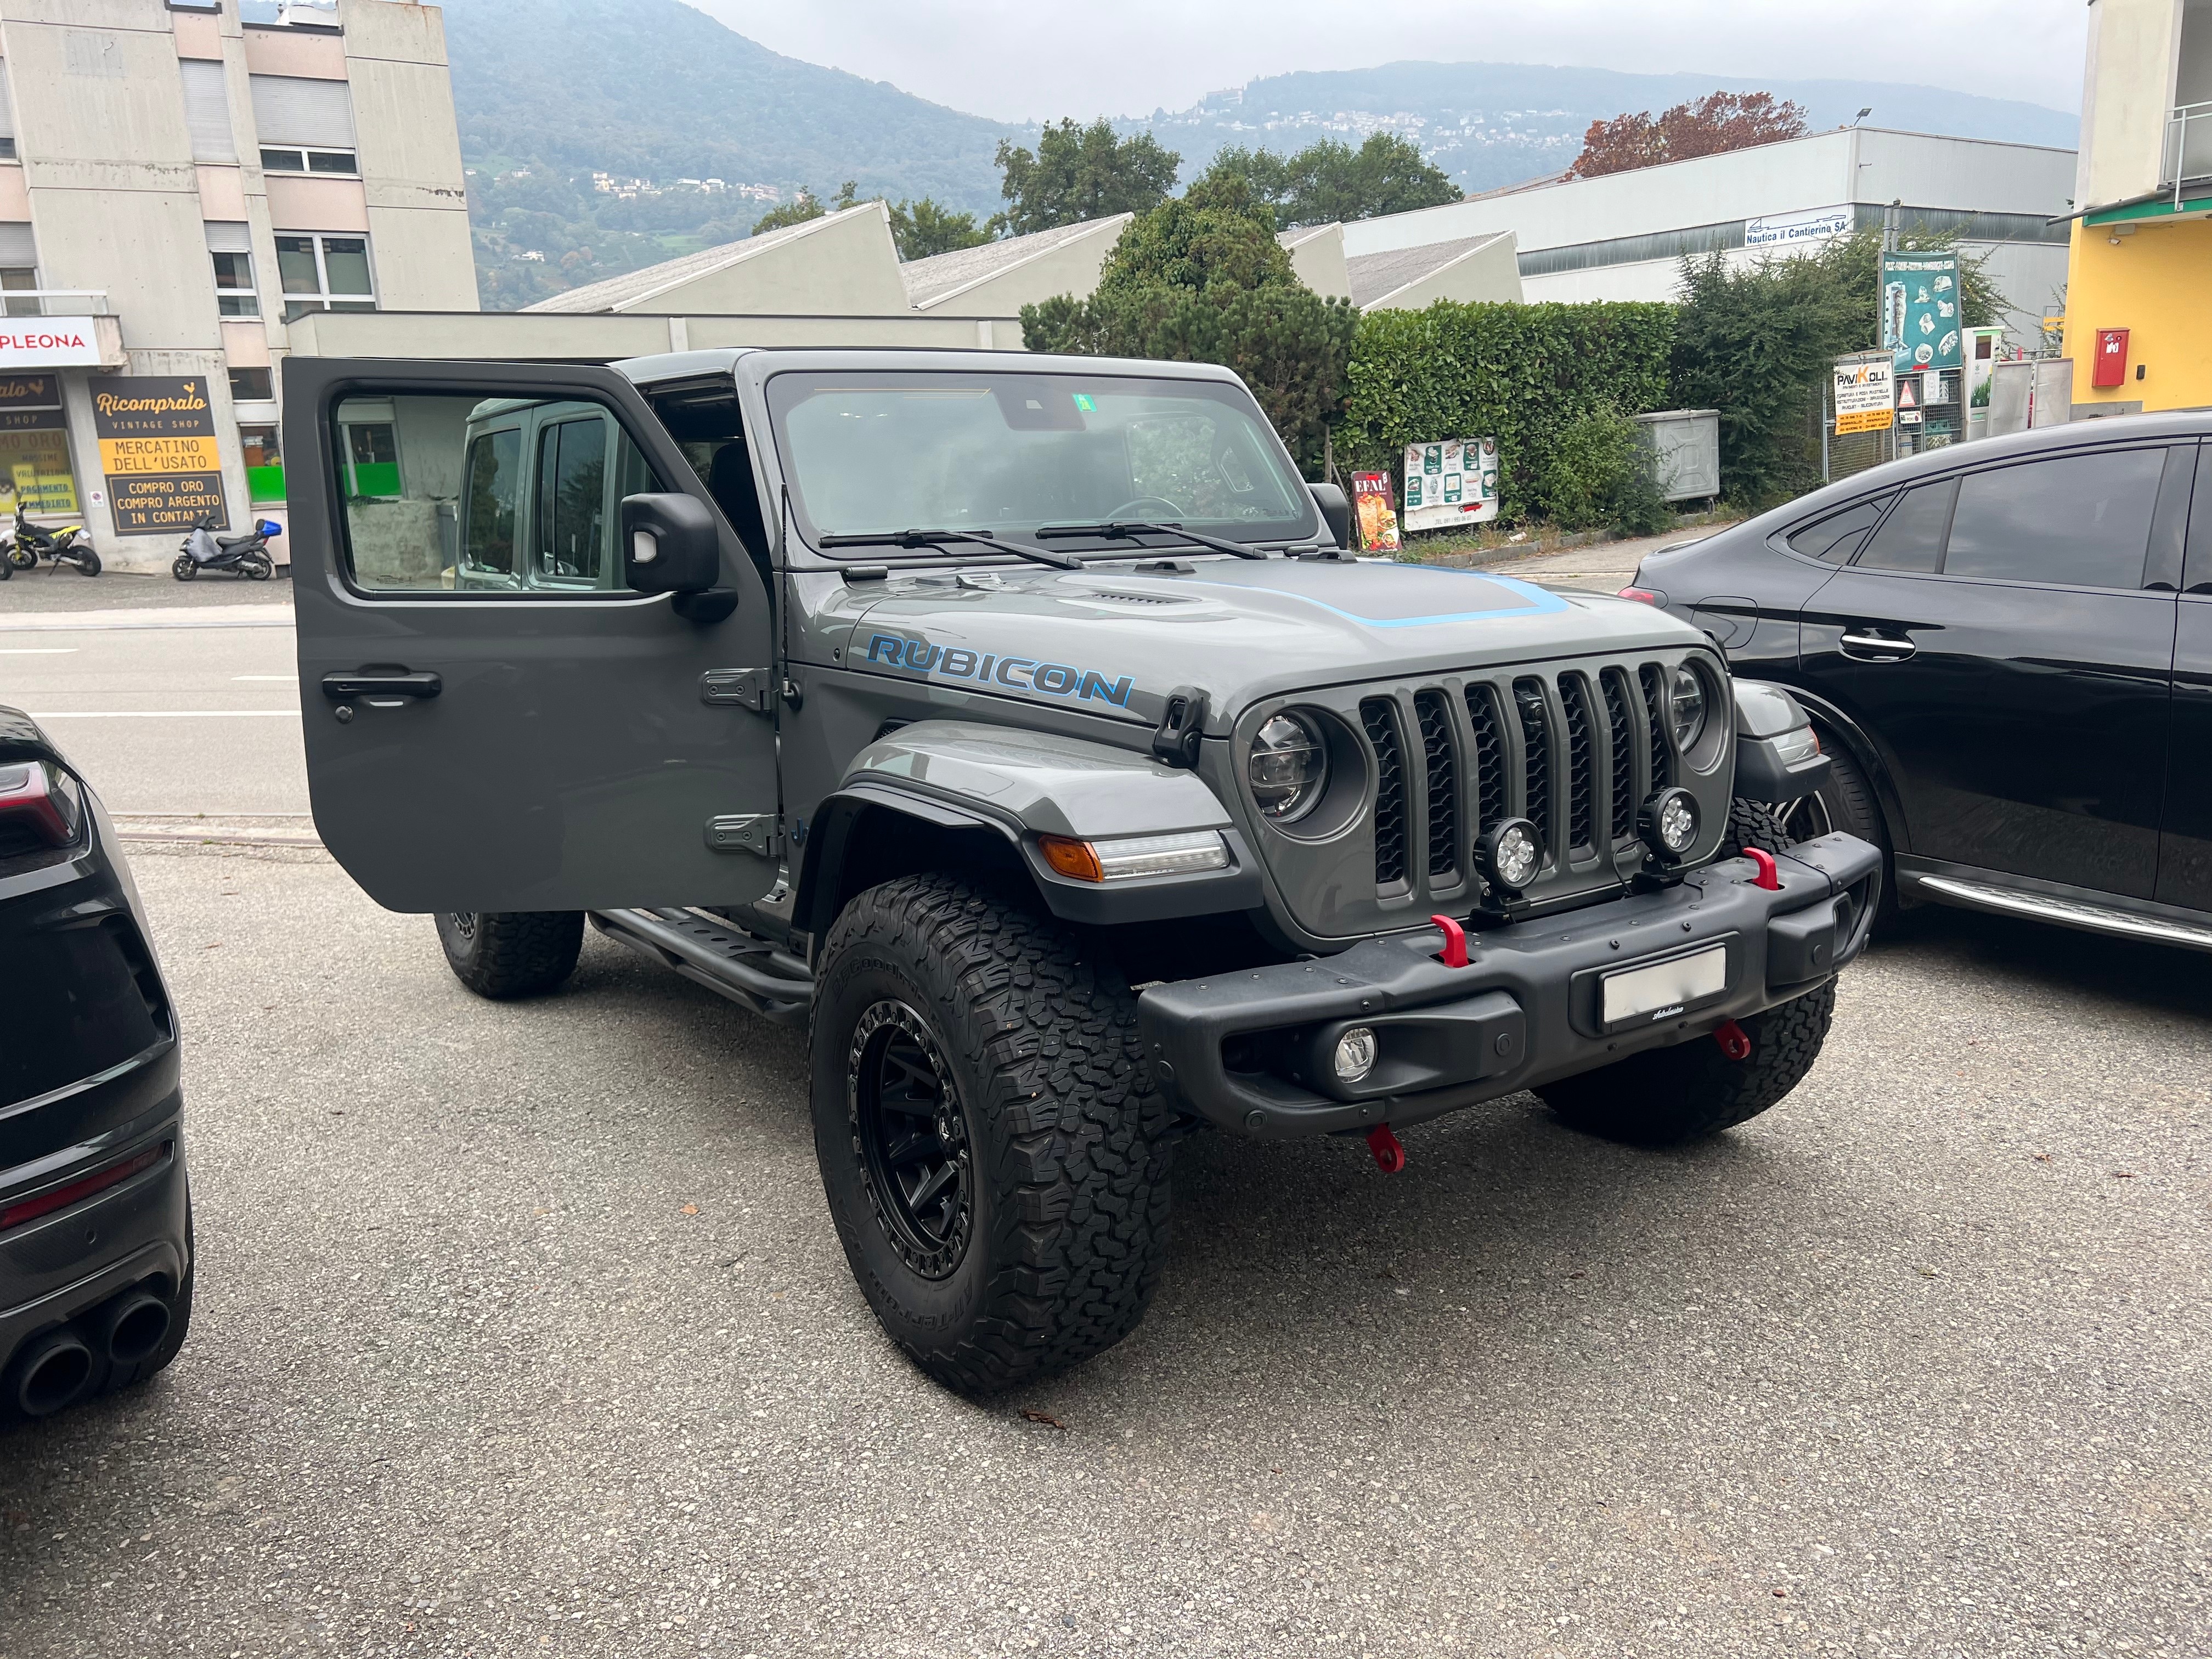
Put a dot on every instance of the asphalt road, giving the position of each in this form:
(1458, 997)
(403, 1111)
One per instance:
(522, 1329)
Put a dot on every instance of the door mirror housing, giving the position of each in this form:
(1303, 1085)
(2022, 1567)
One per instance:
(1335, 511)
(669, 544)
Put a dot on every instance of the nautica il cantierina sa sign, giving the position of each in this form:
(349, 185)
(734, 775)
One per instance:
(48, 343)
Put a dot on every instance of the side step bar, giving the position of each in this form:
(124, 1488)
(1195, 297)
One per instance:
(2067, 913)
(718, 955)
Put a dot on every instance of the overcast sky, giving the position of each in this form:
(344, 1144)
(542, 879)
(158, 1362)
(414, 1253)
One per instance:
(1019, 60)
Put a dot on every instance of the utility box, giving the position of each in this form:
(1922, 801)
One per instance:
(1686, 452)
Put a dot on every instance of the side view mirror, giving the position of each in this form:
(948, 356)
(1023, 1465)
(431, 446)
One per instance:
(669, 545)
(1335, 511)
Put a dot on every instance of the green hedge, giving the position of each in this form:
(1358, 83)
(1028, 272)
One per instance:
(1525, 372)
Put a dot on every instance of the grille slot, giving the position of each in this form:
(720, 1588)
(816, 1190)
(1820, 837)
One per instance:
(1380, 718)
(1434, 716)
(1581, 763)
(1536, 755)
(1654, 681)
(1624, 752)
(1489, 756)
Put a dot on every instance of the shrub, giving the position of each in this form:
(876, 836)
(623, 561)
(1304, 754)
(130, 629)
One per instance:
(1598, 476)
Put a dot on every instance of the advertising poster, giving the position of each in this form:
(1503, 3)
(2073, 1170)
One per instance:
(1371, 511)
(1980, 350)
(1451, 483)
(157, 448)
(34, 459)
(1920, 321)
(1863, 396)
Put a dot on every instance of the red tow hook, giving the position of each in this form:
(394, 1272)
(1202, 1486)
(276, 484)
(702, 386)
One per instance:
(1453, 955)
(1389, 1156)
(1735, 1041)
(1768, 877)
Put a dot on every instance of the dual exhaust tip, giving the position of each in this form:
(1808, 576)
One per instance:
(59, 1367)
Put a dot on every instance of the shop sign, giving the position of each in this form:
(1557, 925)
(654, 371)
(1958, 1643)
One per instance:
(1863, 397)
(1920, 319)
(1789, 229)
(1451, 483)
(1376, 519)
(48, 343)
(30, 391)
(157, 450)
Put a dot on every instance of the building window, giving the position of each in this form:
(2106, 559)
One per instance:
(372, 457)
(233, 285)
(264, 463)
(18, 280)
(292, 159)
(7, 147)
(250, 386)
(324, 273)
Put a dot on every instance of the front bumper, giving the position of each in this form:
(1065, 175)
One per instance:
(1248, 1051)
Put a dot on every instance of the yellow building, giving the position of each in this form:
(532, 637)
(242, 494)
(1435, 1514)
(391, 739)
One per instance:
(2142, 251)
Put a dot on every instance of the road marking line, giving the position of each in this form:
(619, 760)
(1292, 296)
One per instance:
(162, 714)
(280, 679)
(37, 651)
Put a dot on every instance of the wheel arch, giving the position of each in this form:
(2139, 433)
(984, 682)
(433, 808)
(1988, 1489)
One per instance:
(1867, 754)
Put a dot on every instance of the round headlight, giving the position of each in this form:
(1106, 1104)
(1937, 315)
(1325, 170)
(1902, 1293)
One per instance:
(1669, 823)
(1287, 766)
(1685, 707)
(1355, 1054)
(1509, 854)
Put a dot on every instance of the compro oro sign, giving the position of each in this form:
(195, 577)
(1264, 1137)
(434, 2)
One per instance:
(49, 343)
(1865, 396)
(1787, 230)
(157, 448)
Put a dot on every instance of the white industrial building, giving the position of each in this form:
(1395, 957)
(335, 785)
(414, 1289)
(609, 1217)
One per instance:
(1623, 235)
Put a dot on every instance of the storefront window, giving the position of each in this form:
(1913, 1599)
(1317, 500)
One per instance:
(372, 461)
(265, 464)
(34, 456)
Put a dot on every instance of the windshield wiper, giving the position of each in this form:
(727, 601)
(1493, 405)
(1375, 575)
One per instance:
(1125, 530)
(919, 539)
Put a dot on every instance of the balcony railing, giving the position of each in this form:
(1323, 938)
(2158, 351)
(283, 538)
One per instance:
(2187, 148)
(53, 303)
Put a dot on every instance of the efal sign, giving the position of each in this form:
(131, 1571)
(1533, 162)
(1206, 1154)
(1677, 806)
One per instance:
(49, 343)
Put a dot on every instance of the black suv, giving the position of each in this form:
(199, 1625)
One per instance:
(95, 1218)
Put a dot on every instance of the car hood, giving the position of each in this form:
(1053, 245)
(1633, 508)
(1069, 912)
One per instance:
(1116, 643)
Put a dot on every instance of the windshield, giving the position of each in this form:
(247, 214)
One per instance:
(873, 452)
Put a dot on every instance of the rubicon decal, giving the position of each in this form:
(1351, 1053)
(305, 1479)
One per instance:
(985, 668)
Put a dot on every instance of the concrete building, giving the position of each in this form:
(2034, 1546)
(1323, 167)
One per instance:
(2141, 254)
(178, 189)
(999, 278)
(1485, 267)
(1623, 236)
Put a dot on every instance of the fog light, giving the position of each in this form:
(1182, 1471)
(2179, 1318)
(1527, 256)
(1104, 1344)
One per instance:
(1355, 1054)
(1509, 854)
(1669, 823)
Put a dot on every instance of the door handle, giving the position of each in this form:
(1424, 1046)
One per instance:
(382, 683)
(1862, 645)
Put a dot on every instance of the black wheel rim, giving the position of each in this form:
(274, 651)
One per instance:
(464, 924)
(911, 1137)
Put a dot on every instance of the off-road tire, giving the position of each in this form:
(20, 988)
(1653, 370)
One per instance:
(1663, 1096)
(508, 954)
(1068, 1143)
(1751, 824)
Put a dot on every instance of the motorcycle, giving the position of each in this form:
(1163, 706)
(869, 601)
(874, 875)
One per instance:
(68, 545)
(248, 555)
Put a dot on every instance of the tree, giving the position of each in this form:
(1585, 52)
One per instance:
(802, 207)
(1329, 180)
(1202, 279)
(1079, 174)
(1719, 121)
(921, 228)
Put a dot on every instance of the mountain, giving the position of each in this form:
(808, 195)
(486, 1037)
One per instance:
(699, 131)
(1488, 125)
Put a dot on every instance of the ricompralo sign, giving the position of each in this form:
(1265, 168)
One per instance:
(49, 343)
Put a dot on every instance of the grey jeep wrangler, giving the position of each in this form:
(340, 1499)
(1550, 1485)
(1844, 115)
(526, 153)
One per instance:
(1021, 726)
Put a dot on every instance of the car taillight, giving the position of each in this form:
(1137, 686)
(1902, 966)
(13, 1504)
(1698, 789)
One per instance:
(40, 800)
(1643, 596)
(60, 1198)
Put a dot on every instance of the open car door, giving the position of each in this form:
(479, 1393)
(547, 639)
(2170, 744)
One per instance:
(495, 719)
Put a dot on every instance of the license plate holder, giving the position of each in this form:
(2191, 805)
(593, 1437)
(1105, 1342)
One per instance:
(1645, 993)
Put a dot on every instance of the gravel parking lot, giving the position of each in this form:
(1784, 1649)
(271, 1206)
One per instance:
(521, 1329)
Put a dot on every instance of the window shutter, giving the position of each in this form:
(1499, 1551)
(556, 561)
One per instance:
(207, 110)
(228, 236)
(289, 109)
(7, 111)
(17, 250)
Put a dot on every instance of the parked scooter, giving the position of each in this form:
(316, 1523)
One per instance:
(245, 555)
(68, 545)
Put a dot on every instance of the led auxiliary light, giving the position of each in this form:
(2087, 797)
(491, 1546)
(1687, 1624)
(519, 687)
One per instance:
(1131, 856)
(1355, 1054)
(1669, 824)
(1509, 855)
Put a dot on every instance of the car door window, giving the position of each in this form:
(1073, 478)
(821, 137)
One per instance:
(495, 474)
(1912, 537)
(1837, 536)
(2083, 520)
(572, 484)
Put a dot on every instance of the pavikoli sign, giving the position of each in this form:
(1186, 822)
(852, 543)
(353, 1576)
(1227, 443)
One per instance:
(157, 448)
